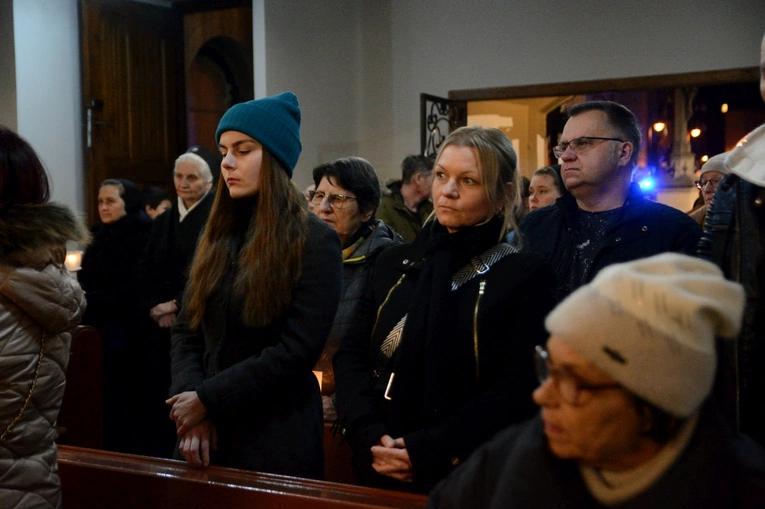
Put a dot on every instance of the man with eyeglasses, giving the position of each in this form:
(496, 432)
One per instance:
(712, 172)
(604, 219)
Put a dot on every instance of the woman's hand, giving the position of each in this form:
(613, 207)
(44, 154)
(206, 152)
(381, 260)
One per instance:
(187, 411)
(162, 309)
(167, 321)
(391, 458)
(197, 442)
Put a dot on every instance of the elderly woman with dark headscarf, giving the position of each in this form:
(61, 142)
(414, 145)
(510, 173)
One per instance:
(346, 197)
(108, 276)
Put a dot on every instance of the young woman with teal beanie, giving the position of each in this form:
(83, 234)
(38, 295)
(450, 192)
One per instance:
(263, 291)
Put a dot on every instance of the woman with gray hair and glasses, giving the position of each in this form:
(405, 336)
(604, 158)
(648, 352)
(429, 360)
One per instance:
(625, 416)
(346, 197)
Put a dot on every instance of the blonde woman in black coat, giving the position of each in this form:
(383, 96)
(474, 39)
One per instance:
(439, 360)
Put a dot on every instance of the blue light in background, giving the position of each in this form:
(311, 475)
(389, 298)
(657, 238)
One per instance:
(647, 184)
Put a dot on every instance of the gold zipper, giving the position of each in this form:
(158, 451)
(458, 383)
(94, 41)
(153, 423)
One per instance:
(481, 288)
(379, 310)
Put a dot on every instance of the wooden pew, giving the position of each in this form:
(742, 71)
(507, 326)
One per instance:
(81, 420)
(99, 479)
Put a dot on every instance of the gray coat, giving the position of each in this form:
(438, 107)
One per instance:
(40, 302)
(357, 270)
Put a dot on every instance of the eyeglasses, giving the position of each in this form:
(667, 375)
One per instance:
(336, 201)
(572, 390)
(701, 184)
(578, 145)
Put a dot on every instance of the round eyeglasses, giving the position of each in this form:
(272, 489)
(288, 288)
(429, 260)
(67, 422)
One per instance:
(579, 145)
(572, 390)
(336, 201)
(701, 184)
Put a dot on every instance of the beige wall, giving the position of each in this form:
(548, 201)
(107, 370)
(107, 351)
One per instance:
(359, 67)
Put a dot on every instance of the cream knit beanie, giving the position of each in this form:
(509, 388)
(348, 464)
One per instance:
(715, 163)
(651, 325)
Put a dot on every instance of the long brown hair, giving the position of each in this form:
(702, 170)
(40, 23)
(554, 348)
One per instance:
(269, 260)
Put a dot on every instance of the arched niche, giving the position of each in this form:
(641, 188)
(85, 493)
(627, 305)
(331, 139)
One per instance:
(219, 76)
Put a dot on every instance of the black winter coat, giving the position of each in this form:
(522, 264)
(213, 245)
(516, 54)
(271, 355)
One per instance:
(169, 252)
(256, 383)
(163, 273)
(466, 377)
(645, 228)
(516, 470)
(734, 239)
(109, 278)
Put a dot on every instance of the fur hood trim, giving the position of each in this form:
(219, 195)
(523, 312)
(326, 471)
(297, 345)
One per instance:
(34, 227)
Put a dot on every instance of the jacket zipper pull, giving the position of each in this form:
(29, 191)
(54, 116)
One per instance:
(481, 289)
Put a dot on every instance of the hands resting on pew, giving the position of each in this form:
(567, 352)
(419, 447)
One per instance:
(198, 436)
(391, 458)
(197, 443)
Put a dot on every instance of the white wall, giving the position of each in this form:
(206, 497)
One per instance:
(7, 66)
(336, 55)
(48, 90)
(310, 51)
(440, 45)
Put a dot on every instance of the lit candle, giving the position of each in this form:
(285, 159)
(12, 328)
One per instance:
(73, 260)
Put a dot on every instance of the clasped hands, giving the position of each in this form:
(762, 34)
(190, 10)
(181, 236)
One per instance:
(164, 314)
(390, 457)
(198, 435)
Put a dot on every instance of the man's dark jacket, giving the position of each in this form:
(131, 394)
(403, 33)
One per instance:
(645, 228)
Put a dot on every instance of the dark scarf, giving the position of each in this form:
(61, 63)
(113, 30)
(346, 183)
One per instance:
(434, 364)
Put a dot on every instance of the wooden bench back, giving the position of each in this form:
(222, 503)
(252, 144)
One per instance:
(97, 479)
(81, 420)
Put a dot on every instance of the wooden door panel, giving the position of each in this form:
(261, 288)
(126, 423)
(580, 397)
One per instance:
(133, 76)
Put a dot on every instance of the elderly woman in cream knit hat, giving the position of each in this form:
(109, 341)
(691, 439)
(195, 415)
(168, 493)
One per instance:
(625, 420)
(712, 172)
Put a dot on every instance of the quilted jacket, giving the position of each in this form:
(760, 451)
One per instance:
(40, 302)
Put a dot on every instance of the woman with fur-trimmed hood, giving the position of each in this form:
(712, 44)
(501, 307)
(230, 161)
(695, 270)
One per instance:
(40, 302)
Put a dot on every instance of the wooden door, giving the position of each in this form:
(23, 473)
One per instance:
(133, 93)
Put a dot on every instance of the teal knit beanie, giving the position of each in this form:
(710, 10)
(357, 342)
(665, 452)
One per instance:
(273, 121)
